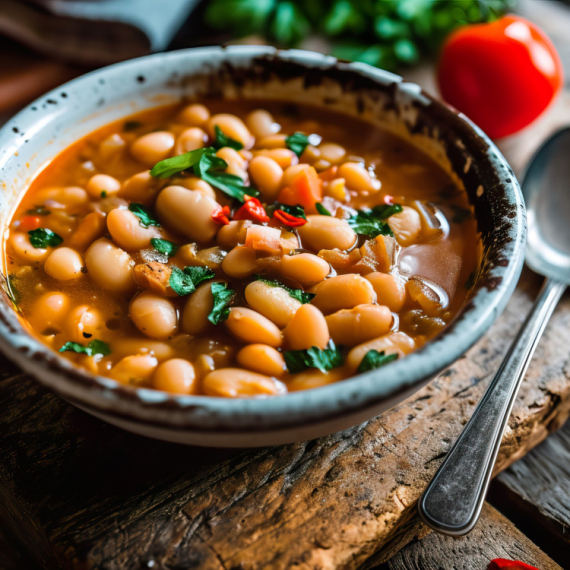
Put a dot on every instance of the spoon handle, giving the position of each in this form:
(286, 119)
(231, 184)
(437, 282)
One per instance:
(452, 502)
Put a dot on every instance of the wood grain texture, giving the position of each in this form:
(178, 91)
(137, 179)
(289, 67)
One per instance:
(536, 493)
(493, 537)
(79, 493)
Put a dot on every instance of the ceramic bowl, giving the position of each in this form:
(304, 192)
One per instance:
(50, 124)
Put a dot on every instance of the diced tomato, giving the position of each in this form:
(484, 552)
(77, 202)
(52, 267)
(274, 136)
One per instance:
(221, 215)
(29, 223)
(305, 190)
(252, 210)
(264, 238)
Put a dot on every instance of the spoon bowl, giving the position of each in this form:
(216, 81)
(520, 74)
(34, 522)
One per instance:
(546, 189)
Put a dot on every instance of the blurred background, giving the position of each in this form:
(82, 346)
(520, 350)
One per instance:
(44, 43)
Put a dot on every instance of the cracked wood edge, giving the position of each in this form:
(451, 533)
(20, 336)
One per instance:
(333, 502)
(493, 537)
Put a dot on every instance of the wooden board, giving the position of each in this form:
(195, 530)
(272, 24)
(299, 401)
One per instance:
(536, 493)
(493, 537)
(78, 492)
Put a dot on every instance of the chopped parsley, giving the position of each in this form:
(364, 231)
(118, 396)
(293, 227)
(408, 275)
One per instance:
(223, 298)
(171, 166)
(374, 359)
(223, 140)
(38, 211)
(297, 211)
(103, 193)
(164, 246)
(298, 294)
(323, 359)
(371, 222)
(184, 281)
(42, 238)
(322, 210)
(297, 142)
(145, 219)
(207, 166)
(94, 347)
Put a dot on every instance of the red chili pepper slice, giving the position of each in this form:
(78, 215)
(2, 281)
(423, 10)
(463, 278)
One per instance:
(288, 219)
(388, 199)
(505, 564)
(252, 210)
(220, 215)
(29, 223)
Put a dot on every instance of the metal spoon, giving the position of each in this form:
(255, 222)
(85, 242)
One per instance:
(452, 502)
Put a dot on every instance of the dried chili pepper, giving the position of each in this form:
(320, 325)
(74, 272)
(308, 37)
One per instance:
(288, 219)
(221, 215)
(252, 210)
(505, 564)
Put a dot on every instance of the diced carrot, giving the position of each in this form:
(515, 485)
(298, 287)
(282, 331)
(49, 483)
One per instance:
(264, 238)
(305, 190)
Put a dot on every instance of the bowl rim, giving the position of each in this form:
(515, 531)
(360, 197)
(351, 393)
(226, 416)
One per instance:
(205, 413)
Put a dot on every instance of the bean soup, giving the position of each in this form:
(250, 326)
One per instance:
(240, 249)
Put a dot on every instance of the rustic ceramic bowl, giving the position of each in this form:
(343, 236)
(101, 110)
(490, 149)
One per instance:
(49, 125)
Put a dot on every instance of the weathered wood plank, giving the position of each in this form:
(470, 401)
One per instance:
(77, 492)
(536, 493)
(493, 537)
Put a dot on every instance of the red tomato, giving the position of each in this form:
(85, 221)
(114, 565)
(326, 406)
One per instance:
(502, 75)
(28, 223)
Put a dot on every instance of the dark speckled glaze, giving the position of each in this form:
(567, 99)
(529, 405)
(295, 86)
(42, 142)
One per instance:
(51, 123)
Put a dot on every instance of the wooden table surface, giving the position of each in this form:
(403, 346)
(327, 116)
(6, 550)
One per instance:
(78, 493)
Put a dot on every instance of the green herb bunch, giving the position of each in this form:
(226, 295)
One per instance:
(384, 33)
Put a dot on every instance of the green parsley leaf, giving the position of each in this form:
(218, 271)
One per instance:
(164, 246)
(207, 166)
(42, 238)
(223, 298)
(384, 211)
(223, 140)
(145, 219)
(171, 166)
(131, 126)
(297, 211)
(322, 210)
(103, 193)
(230, 184)
(211, 169)
(374, 359)
(38, 211)
(94, 347)
(297, 142)
(324, 360)
(298, 294)
(183, 282)
(371, 222)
